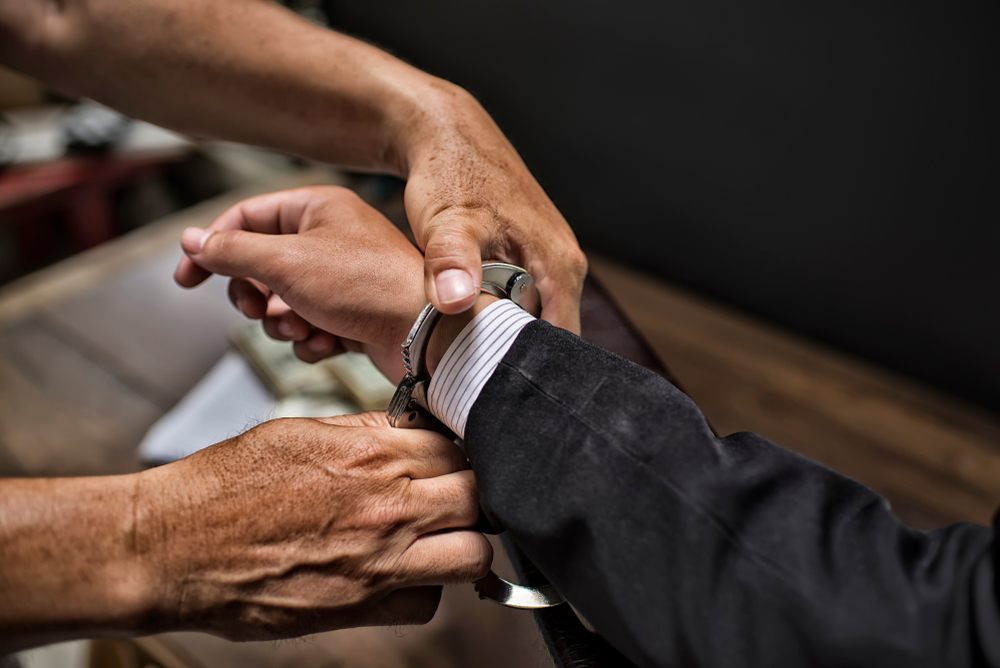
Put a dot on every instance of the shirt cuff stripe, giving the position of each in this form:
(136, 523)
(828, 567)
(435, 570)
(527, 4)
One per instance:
(471, 360)
(483, 340)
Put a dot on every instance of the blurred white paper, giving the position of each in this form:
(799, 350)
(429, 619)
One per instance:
(225, 403)
(313, 407)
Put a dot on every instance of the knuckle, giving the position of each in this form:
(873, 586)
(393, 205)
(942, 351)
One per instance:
(368, 450)
(464, 493)
(448, 233)
(384, 517)
(578, 265)
(471, 558)
(480, 557)
(284, 264)
(270, 325)
(219, 244)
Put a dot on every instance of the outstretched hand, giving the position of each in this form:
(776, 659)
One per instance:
(319, 266)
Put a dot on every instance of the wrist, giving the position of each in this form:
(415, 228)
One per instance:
(70, 563)
(441, 120)
(449, 327)
(116, 578)
(175, 548)
(133, 574)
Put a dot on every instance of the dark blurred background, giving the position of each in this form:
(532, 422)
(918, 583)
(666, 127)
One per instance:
(831, 166)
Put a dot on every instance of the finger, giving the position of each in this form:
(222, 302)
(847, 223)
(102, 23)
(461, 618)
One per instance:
(287, 327)
(284, 324)
(318, 345)
(248, 297)
(188, 274)
(427, 454)
(273, 213)
(402, 607)
(451, 557)
(416, 453)
(270, 259)
(453, 268)
(444, 502)
(559, 276)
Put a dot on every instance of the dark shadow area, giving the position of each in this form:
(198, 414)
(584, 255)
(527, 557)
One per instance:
(829, 166)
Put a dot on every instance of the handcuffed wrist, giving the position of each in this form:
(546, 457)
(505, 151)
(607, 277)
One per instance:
(450, 327)
(500, 280)
(471, 359)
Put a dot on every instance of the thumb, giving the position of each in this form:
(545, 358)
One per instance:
(453, 270)
(242, 254)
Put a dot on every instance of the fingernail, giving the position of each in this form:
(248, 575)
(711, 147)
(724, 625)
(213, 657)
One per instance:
(317, 344)
(453, 285)
(193, 239)
(285, 328)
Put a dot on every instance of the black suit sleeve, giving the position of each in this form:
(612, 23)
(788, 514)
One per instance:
(685, 549)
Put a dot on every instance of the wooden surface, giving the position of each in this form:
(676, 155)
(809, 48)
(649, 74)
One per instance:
(934, 457)
(96, 348)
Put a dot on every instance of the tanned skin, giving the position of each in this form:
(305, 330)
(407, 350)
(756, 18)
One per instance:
(294, 527)
(250, 71)
(191, 545)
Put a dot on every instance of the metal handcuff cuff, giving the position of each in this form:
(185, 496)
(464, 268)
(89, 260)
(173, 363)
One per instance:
(506, 281)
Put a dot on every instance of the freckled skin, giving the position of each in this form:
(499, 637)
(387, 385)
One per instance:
(250, 71)
(223, 541)
(294, 527)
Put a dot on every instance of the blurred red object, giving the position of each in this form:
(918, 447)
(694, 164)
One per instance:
(80, 189)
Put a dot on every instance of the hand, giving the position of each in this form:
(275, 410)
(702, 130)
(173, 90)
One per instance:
(321, 267)
(469, 198)
(299, 526)
(292, 86)
(294, 527)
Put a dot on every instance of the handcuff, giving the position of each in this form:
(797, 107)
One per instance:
(408, 409)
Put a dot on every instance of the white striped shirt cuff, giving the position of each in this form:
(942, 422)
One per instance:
(470, 361)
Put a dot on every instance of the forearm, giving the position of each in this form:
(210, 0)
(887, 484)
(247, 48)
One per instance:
(242, 70)
(69, 561)
(681, 547)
